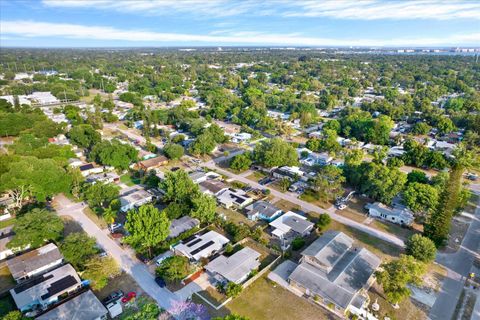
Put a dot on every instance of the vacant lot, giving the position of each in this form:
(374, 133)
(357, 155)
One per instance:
(256, 176)
(286, 205)
(235, 216)
(310, 197)
(265, 300)
(122, 282)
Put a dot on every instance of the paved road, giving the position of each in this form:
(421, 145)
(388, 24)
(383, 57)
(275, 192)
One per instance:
(125, 258)
(310, 207)
(458, 265)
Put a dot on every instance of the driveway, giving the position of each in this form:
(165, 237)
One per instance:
(458, 266)
(308, 207)
(125, 258)
(199, 284)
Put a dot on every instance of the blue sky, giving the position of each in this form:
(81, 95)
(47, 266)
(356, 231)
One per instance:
(135, 23)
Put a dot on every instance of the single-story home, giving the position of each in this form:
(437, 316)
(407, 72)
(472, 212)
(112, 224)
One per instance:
(6, 234)
(290, 173)
(85, 306)
(335, 273)
(263, 210)
(134, 197)
(108, 177)
(35, 262)
(75, 162)
(212, 187)
(45, 290)
(201, 245)
(235, 268)
(234, 198)
(289, 226)
(152, 163)
(241, 137)
(181, 225)
(399, 214)
(89, 168)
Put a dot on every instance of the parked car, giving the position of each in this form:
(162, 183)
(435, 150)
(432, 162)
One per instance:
(129, 296)
(114, 227)
(114, 296)
(160, 282)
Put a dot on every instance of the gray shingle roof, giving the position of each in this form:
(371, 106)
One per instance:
(85, 306)
(179, 226)
(333, 274)
(236, 267)
(263, 207)
(28, 262)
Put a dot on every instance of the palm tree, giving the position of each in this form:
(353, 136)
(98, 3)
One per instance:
(109, 215)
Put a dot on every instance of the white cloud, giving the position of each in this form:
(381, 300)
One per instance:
(33, 29)
(397, 10)
(210, 8)
(337, 9)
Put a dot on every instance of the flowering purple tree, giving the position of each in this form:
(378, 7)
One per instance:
(187, 310)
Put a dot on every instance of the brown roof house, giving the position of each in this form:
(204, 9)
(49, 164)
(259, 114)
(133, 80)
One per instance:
(152, 163)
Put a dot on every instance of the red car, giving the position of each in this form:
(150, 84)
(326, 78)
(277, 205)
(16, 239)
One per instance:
(129, 296)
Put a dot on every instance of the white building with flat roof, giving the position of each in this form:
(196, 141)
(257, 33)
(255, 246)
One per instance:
(201, 245)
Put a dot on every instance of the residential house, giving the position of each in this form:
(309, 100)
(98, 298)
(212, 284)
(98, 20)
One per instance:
(290, 173)
(85, 306)
(46, 289)
(241, 137)
(399, 214)
(290, 226)
(35, 262)
(6, 234)
(89, 168)
(152, 163)
(201, 176)
(201, 245)
(234, 198)
(263, 210)
(108, 177)
(315, 158)
(335, 274)
(235, 268)
(181, 225)
(75, 162)
(134, 197)
(212, 187)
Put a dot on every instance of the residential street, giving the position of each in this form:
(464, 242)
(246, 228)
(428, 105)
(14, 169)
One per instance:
(309, 207)
(125, 258)
(458, 265)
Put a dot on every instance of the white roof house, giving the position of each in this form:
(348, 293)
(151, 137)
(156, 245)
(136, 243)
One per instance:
(289, 226)
(201, 245)
(235, 268)
(43, 97)
(133, 198)
(234, 198)
(241, 137)
(398, 214)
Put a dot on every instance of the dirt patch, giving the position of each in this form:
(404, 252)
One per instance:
(122, 282)
(409, 309)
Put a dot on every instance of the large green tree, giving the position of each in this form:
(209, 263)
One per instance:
(174, 268)
(113, 153)
(148, 227)
(77, 248)
(100, 195)
(204, 207)
(33, 177)
(421, 248)
(99, 270)
(178, 187)
(399, 273)
(275, 152)
(328, 183)
(36, 227)
(84, 135)
(420, 197)
(173, 151)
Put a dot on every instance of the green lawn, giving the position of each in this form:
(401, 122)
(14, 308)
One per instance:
(129, 180)
(6, 223)
(309, 197)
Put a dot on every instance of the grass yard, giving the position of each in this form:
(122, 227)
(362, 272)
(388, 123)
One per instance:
(6, 279)
(407, 311)
(307, 196)
(7, 223)
(256, 176)
(235, 216)
(122, 282)
(397, 230)
(286, 205)
(98, 220)
(129, 180)
(70, 226)
(265, 300)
